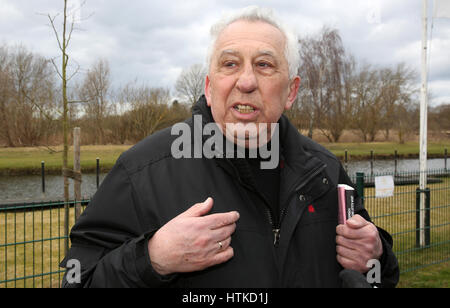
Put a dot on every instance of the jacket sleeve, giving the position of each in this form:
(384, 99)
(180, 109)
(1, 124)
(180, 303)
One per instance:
(109, 240)
(390, 273)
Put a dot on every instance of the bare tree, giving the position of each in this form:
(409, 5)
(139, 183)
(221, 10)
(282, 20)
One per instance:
(95, 92)
(326, 72)
(366, 102)
(63, 40)
(382, 100)
(27, 88)
(439, 119)
(190, 84)
(397, 89)
(6, 92)
(147, 107)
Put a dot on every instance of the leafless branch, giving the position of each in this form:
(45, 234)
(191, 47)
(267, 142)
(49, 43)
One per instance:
(52, 23)
(52, 151)
(42, 111)
(56, 67)
(74, 73)
(78, 101)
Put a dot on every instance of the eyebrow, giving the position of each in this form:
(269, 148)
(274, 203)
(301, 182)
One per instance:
(236, 53)
(228, 52)
(266, 53)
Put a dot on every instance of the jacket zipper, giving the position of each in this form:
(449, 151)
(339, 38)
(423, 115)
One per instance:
(276, 226)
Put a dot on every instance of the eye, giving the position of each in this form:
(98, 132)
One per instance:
(264, 64)
(229, 64)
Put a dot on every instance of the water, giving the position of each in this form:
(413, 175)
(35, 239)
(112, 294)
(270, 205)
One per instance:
(388, 166)
(19, 188)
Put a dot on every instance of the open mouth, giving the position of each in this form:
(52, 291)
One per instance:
(245, 109)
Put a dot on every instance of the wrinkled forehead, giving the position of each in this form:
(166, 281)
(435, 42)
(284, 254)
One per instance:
(262, 36)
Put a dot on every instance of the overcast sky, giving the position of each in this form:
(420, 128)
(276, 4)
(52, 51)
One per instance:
(153, 40)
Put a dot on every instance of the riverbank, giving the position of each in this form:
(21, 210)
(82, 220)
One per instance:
(386, 150)
(27, 161)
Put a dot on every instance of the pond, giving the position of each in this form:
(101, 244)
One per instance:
(20, 188)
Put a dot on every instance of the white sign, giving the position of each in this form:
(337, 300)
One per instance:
(384, 186)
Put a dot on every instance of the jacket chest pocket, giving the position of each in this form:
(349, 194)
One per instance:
(319, 200)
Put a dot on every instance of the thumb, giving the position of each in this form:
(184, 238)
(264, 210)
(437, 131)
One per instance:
(199, 209)
(357, 222)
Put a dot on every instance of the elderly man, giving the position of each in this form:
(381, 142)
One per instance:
(223, 221)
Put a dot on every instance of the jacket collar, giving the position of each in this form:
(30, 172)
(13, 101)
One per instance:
(292, 152)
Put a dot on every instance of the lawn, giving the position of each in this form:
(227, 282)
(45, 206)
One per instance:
(385, 149)
(434, 276)
(32, 246)
(32, 243)
(15, 161)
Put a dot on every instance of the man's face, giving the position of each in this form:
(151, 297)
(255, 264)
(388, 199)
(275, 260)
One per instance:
(248, 80)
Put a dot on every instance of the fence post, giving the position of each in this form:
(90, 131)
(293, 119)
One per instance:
(98, 172)
(371, 165)
(395, 167)
(423, 237)
(427, 218)
(417, 217)
(445, 160)
(346, 161)
(43, 176)
(360, 185)
(77, 171)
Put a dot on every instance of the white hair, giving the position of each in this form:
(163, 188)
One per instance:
(255, 13)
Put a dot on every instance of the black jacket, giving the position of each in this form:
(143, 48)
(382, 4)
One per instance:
(148, 187)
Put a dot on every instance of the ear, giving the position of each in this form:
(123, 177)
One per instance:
(293, 91)
(208, 91)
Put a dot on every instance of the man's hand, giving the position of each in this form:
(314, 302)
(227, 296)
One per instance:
(192, 241)
(357, 242)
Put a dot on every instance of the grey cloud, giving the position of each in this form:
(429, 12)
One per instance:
(155, 40)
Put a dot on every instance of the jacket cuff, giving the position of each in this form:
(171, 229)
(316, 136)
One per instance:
(144, 266)
(389, 264)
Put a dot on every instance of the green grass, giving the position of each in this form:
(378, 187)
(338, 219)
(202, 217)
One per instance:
(15, 161)
(385, 149)
(397, 215)
(33, 244)
(434, 276)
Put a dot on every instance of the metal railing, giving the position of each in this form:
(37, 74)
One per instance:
(32, 243)
(32, 236)
(400, 216)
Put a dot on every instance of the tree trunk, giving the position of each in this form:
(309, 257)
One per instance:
(65, 131)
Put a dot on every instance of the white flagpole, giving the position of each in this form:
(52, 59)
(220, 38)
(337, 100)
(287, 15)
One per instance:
(423, 122)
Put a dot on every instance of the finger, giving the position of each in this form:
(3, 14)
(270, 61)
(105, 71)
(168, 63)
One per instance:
(347, 253)
(350, 233)
(223, 245)
(199, 209)
(350, 244)
(347, 263)
(223, 233)
(357, 222)
(222, 256)
(216, 221)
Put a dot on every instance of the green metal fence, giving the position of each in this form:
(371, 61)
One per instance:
(400, 216)
(32, 243)
(32, 236)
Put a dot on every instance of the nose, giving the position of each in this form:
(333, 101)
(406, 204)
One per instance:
(247, 82)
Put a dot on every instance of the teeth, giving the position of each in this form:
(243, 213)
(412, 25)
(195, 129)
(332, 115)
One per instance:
(244, 108)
